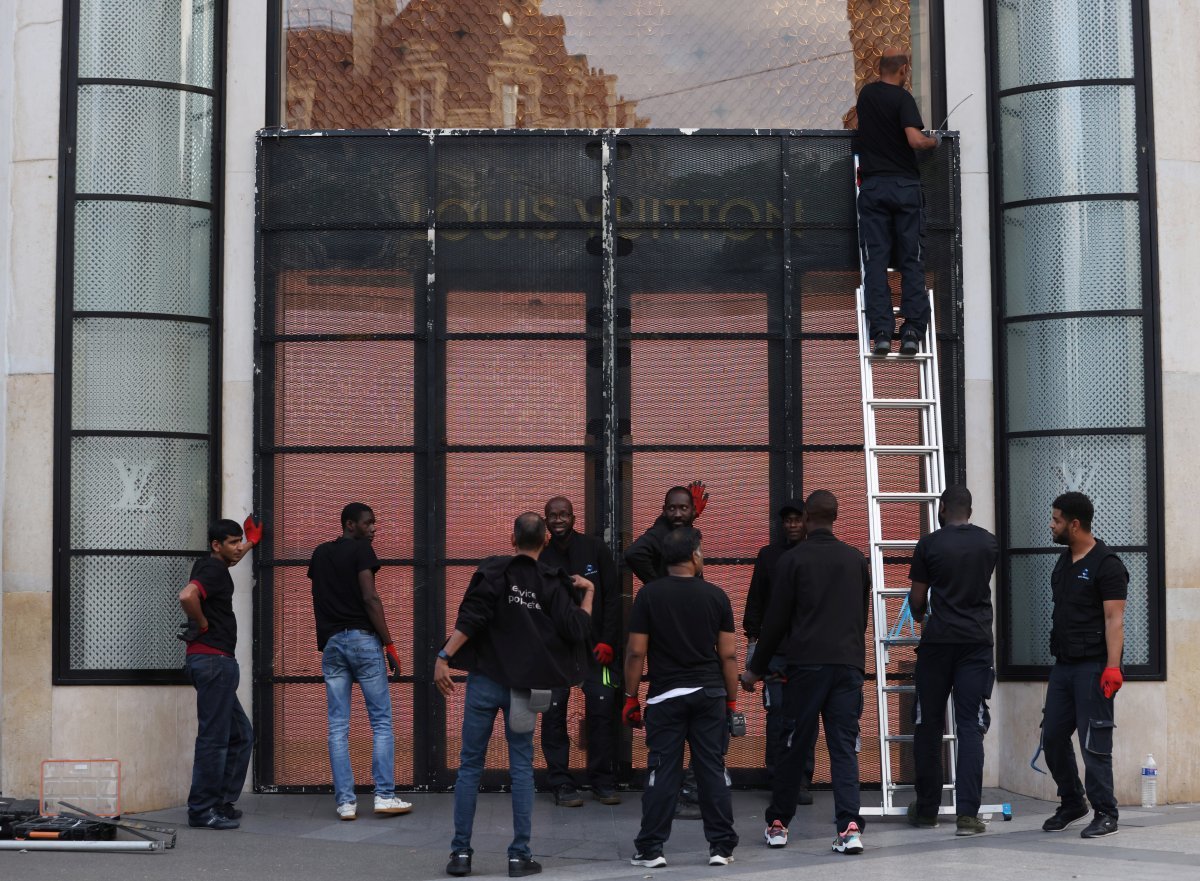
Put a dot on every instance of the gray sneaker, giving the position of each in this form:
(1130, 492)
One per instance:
(920, 821)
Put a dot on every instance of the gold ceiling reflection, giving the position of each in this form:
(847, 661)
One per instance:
(588, 63)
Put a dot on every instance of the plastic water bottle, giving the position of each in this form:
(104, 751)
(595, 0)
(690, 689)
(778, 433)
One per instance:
(1149, 782)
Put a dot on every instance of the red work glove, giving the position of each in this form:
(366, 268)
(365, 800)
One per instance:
(603, 652)
(699, 496)
(252, 530)
(731, 706)
(1111, 681)
(631, 713)
(393, 659)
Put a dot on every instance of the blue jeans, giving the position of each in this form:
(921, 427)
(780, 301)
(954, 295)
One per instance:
(224, 736)
(484, 698)
(357, 656)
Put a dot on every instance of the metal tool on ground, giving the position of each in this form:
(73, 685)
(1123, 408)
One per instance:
(137, 828)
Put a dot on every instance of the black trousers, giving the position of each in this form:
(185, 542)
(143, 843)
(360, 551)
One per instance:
(772, 698)
(831, 693)
(600, 717)
(1075, 704)
(699, 719)
(967, 671)
(891, 214)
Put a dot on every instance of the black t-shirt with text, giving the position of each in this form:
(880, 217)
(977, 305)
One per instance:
(957, 563)
(211, 576)
(682, 616)
(337, 598)
(884, 112)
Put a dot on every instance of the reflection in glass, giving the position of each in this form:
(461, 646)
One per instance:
(591, 63)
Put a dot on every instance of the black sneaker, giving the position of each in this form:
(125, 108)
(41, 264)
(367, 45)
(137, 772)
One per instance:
(686, 810)
(212, 819)
(605, 796)
(649, 860)
(459, 865)
(229, 811)
(567, 796)
(1101, 825)
(919, 820)
(804, 797)
(519, 867)
(1064, 817)
(910, 341)
(881, 345)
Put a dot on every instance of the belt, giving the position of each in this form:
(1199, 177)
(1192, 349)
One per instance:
(345, 627)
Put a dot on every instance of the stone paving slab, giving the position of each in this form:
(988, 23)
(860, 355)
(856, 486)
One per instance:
(298, 838)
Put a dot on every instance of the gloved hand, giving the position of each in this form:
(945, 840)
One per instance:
(631, 713)
(937, 136)
(252, 529)
(1111, 681)
(731, 706)
(699, 496)
(603, 652)
(393, 659)
(190, 630)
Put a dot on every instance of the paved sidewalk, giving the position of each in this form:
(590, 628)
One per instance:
(298, 838)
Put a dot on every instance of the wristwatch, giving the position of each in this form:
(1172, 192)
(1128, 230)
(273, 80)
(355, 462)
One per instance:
(443, 656)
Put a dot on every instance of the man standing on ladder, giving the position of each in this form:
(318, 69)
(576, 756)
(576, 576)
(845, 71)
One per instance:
(890, 202)
(951, 576)
(1087, 637)
(758, 600)
(820, 604)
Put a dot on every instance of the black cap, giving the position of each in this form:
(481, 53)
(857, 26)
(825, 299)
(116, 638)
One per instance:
(795, 506)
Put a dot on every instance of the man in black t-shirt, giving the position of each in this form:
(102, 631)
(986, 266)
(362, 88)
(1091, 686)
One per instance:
(1087, 637)
(683, 626)
(586, 556)
(224, 736)
(890, 201)
(356, 646)
(951, 575)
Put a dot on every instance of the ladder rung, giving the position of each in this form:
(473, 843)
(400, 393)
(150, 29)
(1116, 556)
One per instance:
(914, 450)
(896, 356)
(908, 738)
(900, 403)
(906, 497)
(900, 787)
(900, 640)
(899, 689)
(897, 544)
(890, 591)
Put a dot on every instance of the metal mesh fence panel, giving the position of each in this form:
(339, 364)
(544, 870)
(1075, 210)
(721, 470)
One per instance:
(548, 337)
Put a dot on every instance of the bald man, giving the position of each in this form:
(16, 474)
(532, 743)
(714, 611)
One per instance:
(891, 207)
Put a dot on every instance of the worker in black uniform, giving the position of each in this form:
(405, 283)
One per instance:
(891, 207)
(681, 506)
(951, 575)
(819, 605)
(588, 557)
(758, 599)
(683, 625)
(1087, 637)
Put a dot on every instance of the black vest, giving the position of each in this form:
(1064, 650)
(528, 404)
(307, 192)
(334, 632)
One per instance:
(1078, 630)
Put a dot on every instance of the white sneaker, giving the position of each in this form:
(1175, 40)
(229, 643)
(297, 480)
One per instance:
(717, 858)
(391, 805)
(776, 835)
(347, 811)
(848, 841)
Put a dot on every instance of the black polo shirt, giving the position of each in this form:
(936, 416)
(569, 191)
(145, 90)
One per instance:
(957, 563)
(682, 616)
(337, 598)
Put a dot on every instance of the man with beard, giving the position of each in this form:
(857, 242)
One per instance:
(585, 556)
(758, 600)
(951, 575)
(681, 506)
(1087, 636)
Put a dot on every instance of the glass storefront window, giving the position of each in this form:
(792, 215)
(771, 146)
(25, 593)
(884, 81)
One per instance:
(592, 63)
